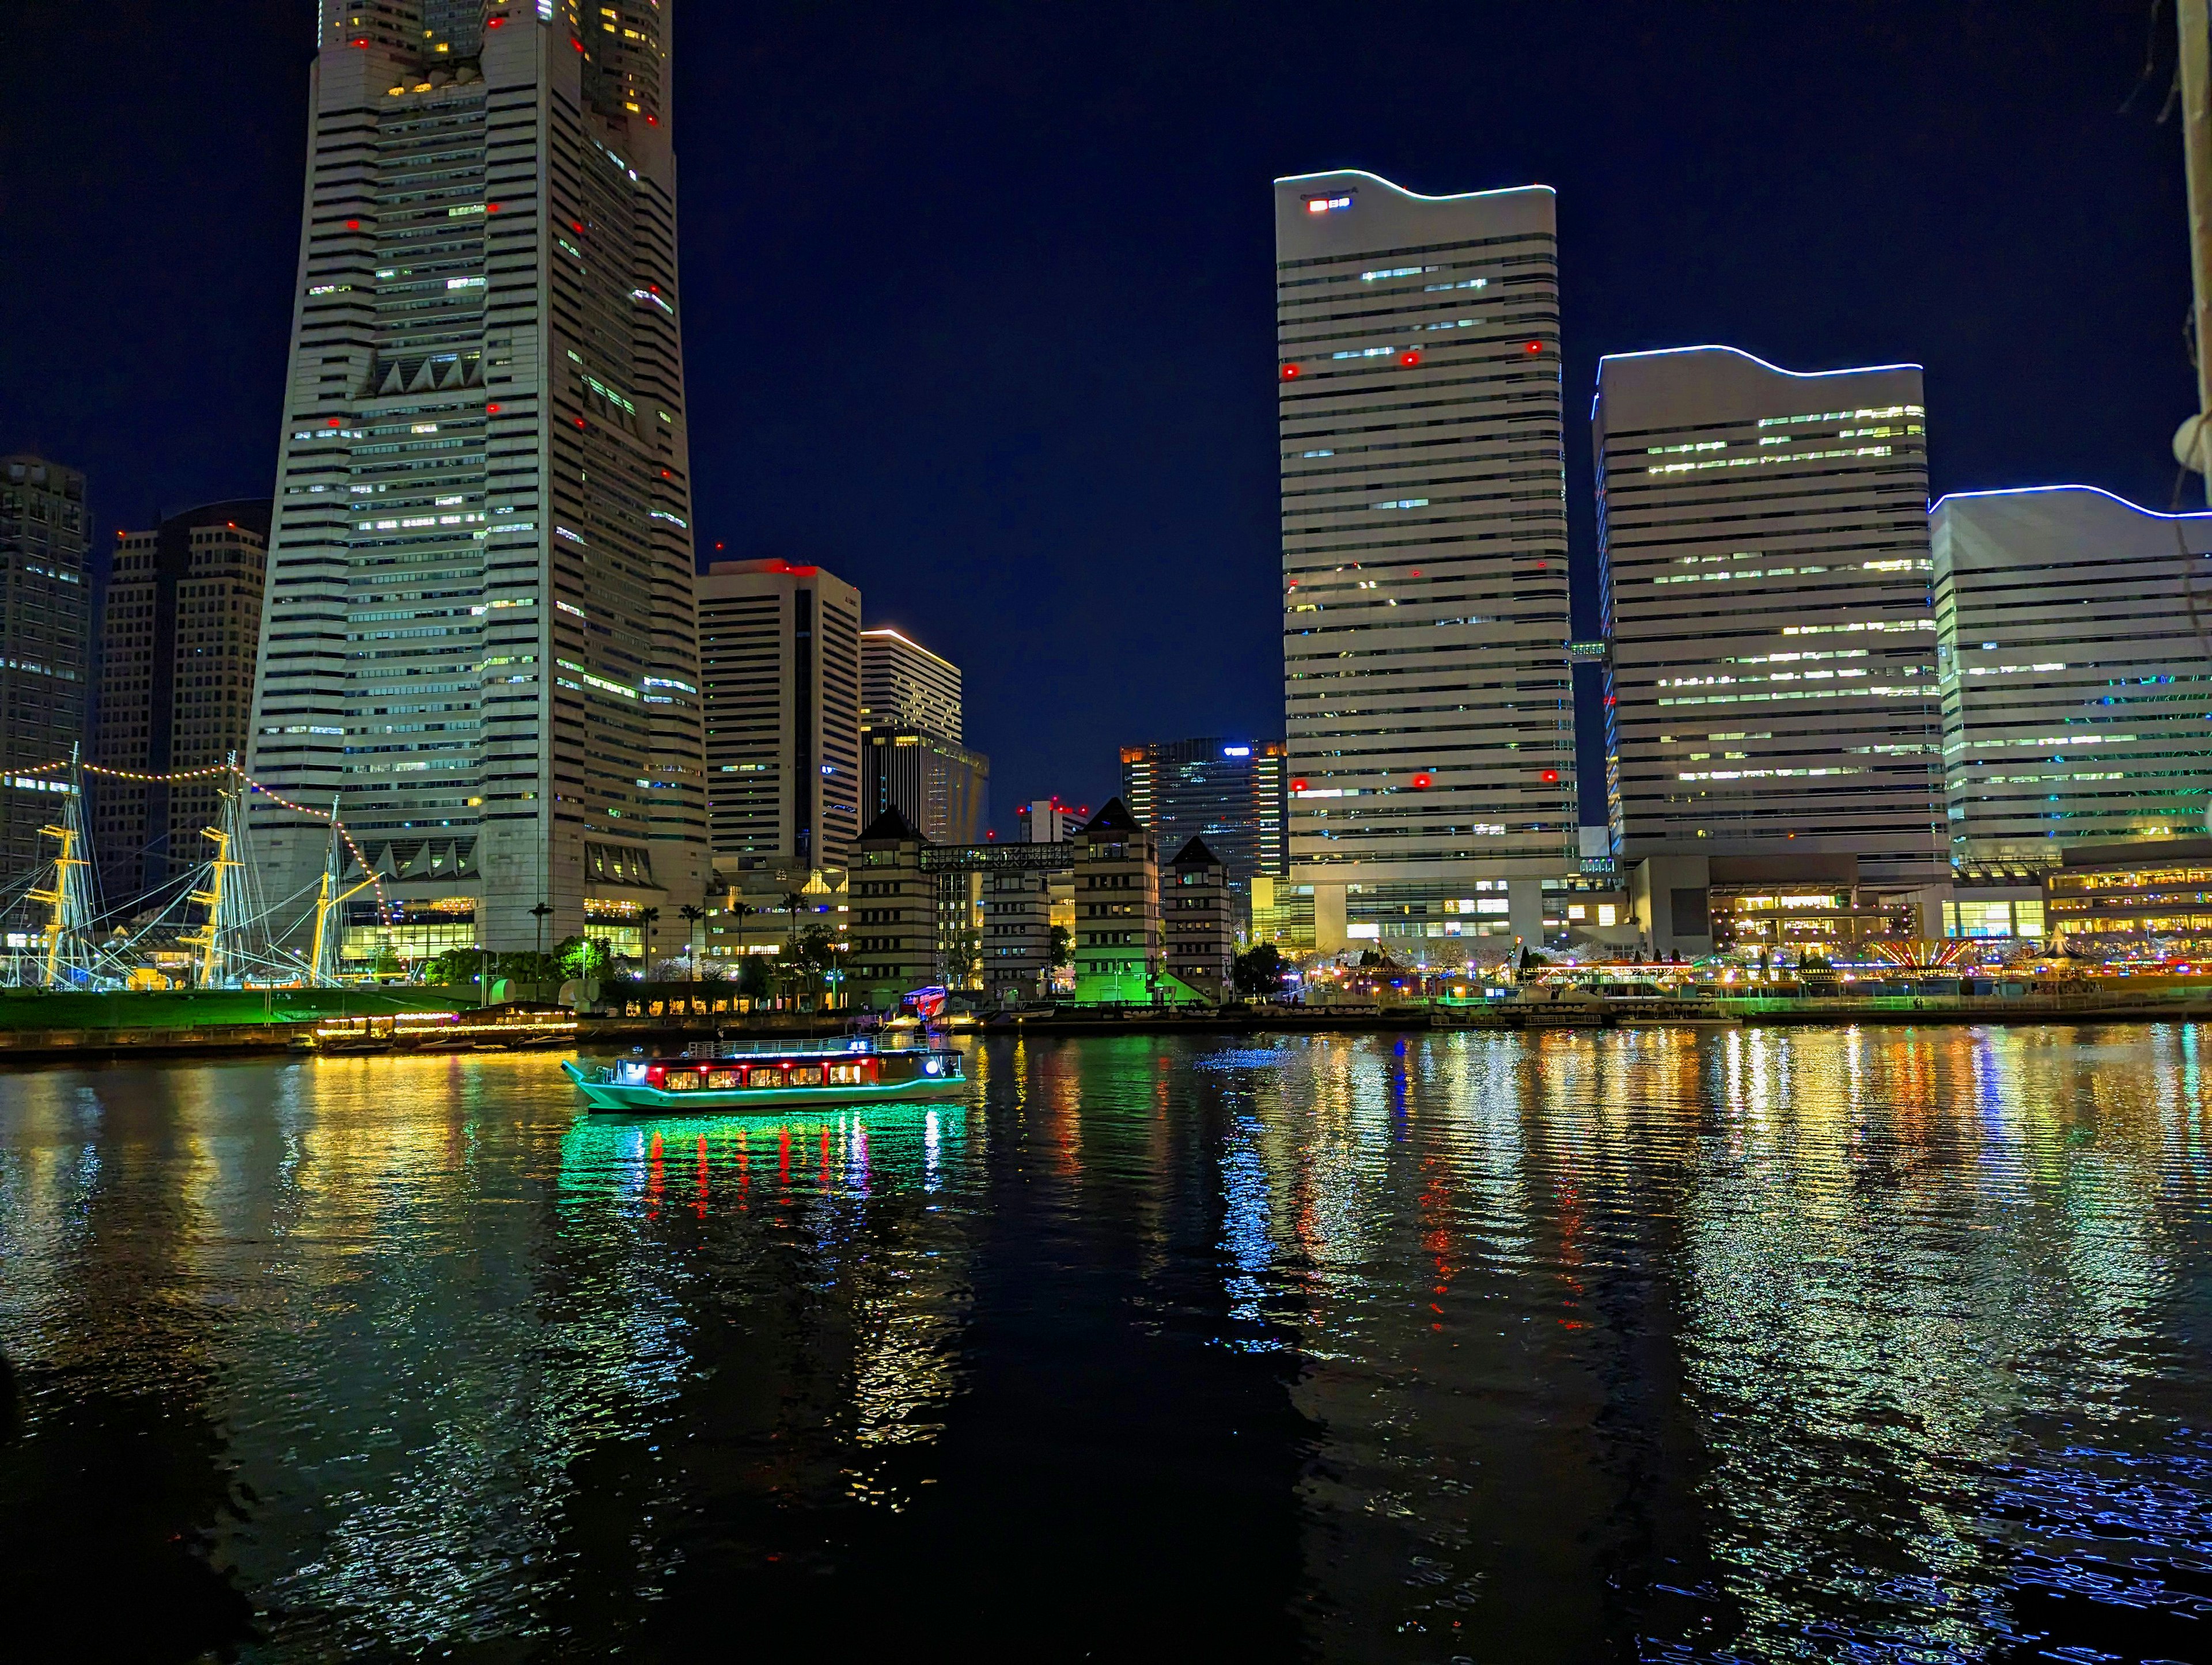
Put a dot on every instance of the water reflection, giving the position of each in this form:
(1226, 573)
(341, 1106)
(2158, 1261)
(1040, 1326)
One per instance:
(1659, 1345)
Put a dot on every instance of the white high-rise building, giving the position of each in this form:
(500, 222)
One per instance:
(1764, 539)
(1424, 558)
(904, 685)
(479, 637)
(2072, 632)
(779, 654)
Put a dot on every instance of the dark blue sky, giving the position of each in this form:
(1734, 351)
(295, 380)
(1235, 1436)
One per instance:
(978, 302)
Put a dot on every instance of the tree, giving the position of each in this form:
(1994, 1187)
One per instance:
(812, 955)
(647, 919)
(1063, 946)
(692, 915)
(1258, 972)
(582, 956)
(792, 902)
(1530, 958)
(752, 977)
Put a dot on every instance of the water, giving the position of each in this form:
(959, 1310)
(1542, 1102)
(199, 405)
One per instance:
(1664, 1346)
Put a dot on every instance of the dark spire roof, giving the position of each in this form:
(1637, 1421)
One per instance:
(1195, 855)
(891, 827)
(1114, 817)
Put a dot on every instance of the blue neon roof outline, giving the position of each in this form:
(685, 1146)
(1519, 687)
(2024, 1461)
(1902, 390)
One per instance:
(1801, 376)
(2022, 492)
(1417, 196)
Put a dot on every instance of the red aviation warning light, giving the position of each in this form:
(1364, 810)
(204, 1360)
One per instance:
(1424, 781)
(1410, 356)
(1533, 347)
(1550, 777)
(1292, 373)
(1297, 786)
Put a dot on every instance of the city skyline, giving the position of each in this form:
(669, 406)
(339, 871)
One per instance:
(1633, 276)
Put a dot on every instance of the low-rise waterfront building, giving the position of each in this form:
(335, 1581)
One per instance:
(1198, 924)
(1117, 909)
(2150, 900)
(893, 922)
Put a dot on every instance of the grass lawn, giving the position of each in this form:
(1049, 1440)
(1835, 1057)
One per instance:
(36, 1008)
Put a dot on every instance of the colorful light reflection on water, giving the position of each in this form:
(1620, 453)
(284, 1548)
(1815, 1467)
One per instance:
(1648, 1344)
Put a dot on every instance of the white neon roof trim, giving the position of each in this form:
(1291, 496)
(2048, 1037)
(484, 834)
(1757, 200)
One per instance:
(2023, 491)
(1801, 376)
(1417, 196)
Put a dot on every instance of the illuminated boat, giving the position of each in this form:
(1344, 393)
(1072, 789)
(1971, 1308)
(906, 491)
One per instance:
(500, 1028)
(719, 1079)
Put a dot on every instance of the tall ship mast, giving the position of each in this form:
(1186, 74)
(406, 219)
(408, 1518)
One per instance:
(70, 950)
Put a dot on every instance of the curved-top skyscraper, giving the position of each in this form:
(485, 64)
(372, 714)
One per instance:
(479, 636)
(1426, 685)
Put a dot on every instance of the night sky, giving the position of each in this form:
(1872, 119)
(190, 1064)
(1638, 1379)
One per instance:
(978, 298)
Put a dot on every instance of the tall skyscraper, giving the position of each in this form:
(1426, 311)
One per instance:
(781, 659)
(181, 625)
(1228, 793)
(939, 785)
(2072, 635)
(44, 630)
(479, 636)
(904, 685)
(1425, 551)
(1764, 537)
(912, 757)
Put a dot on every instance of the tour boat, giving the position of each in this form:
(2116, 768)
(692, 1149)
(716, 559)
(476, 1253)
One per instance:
(718, 1076)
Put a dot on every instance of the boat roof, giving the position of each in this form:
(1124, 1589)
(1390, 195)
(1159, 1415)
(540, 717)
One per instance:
(837, 1046)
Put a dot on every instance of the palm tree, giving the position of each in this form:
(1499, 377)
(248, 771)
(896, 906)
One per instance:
(792, 902)
(692, 915)
(649, 917)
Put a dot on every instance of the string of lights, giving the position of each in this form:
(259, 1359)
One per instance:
(329, 818)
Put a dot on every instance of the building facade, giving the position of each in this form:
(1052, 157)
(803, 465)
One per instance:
(1233, 794)
(44, 657)
(2146, 900)
(1046, 821)
(2074, 647)
(780, 648)
(904, 685)
(479, 635)
(892, 928)
(939, 785)
(1117, 909)
(179, 627)
(1772, 686)
(1425, 549)
(1017, 922)
(1197, 922)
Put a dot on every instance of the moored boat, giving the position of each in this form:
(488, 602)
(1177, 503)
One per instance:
(721, 1077)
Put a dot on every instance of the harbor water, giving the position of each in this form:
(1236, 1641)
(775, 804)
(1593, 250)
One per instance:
(1648, 1344)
